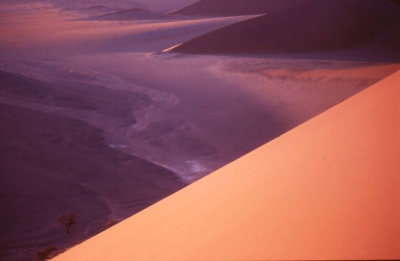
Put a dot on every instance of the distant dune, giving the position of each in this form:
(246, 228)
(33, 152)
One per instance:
(133, 14)
(390, 41)
(319, 25)
(99, 9)
(236, 7)
(395, 1)
(328, 189)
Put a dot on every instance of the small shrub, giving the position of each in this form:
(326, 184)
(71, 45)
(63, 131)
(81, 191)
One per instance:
(45, 254)
(110, 223)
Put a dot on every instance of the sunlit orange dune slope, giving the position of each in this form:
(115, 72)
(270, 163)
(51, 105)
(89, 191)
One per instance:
(236, 7)
(314, 26)
(328, 189)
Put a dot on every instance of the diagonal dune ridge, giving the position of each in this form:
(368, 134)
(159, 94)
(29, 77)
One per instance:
(318, 25)
(133, 14)
(328, 189)
(236, 7)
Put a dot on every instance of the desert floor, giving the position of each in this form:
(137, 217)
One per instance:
(97, 120)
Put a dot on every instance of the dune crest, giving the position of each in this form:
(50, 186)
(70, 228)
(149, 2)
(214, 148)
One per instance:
(133, 14)
(315, 26)
(328, 189)
(236, 7)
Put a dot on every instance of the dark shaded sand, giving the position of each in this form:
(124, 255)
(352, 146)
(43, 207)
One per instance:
(390, 41)
(319, 25)
(236, 7)
(395, 1)
(52, 165)
(133, 14)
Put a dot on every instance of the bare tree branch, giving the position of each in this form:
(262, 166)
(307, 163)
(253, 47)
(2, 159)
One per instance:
(67, 221)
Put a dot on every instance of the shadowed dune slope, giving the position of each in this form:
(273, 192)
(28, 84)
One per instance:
(133, 14)
(395, 1)
(236, 7)
(319, 25)
(328, 189)
(52, 165)
(390, 41)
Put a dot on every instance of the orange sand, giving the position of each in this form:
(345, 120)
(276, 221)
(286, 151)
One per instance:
(328, 189)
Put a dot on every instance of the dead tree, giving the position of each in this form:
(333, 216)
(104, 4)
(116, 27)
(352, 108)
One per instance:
(67, 221)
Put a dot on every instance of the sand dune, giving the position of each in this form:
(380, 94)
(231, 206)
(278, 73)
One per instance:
(133, 14)
(390, 41)
(94, 10)
(328, 189)
(371, 72)
(97, 5)
(63, 32)
(319, 25)
(162, 5)
(395, 1)
(236, 7)
(94, 119)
